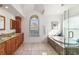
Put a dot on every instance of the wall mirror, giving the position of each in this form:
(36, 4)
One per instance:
(12, 24)
(2, 22)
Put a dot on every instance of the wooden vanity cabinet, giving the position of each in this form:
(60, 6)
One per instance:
(2, 49)
(22, 38)
(10, 46)
(18, 24)
(17, 41)
(13, 44)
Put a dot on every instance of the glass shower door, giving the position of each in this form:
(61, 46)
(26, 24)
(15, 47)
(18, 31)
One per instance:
(71, 31)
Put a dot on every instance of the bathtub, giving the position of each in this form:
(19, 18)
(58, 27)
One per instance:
(64, 42)
(65, 46)
(57, 39)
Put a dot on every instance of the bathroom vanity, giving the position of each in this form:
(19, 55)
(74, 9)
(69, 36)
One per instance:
(9, 44)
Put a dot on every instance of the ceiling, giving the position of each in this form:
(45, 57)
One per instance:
(10, 9)
(27, 8)
(57, 9)
(44, 9)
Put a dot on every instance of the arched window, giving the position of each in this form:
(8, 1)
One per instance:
(34, 26)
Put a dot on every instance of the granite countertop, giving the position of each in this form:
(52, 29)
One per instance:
(7, 38)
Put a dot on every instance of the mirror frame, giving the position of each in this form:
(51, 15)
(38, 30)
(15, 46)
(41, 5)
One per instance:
(4, 22)
(12, 24)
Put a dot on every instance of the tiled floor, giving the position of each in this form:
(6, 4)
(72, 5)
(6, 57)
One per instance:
(35, 49)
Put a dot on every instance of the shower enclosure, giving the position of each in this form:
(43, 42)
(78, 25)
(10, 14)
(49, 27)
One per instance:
(71, 31)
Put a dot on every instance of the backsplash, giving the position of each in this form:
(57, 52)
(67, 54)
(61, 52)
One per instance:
(5, 32)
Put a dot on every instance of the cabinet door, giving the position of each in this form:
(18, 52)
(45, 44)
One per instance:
(17, 42)
(18, 24)
(13, 45)
(2, 49)
(22, 39)
(8, 47)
